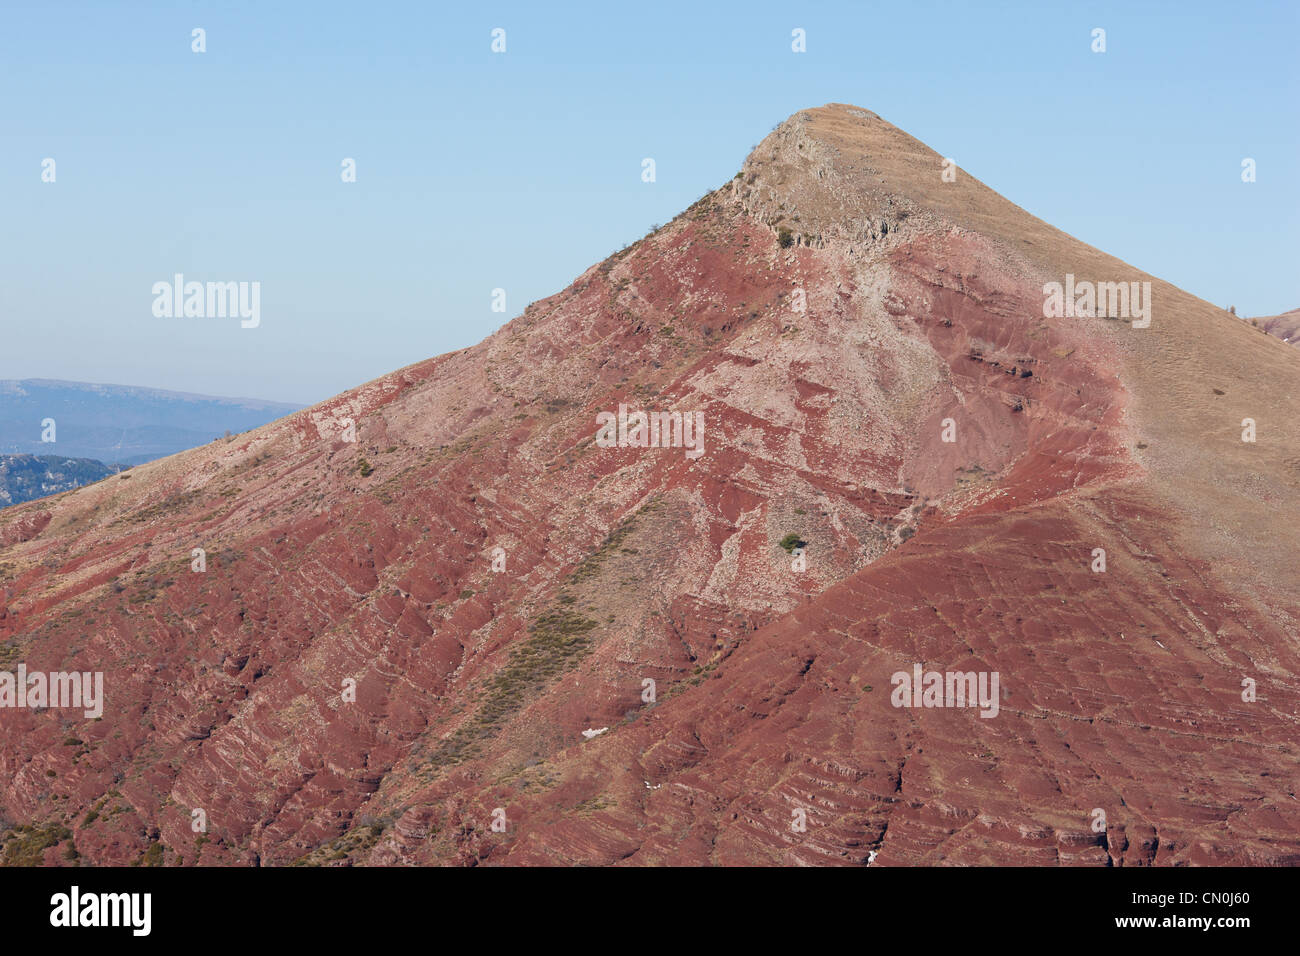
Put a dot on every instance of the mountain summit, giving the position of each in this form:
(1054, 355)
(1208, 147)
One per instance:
(494, 607)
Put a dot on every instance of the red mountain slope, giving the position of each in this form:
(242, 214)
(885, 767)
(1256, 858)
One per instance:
(831, 312)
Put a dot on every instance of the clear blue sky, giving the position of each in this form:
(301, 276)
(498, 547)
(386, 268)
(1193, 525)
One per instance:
(477, 171)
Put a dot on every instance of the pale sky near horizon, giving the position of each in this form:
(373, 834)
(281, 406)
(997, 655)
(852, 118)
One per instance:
(478, 170)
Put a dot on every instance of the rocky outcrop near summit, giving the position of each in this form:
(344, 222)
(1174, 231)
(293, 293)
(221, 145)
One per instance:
(399, 644)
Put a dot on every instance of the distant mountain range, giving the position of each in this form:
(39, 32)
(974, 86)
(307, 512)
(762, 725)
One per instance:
(25, 477)
(119, 423)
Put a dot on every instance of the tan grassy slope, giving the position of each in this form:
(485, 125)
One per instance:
(1242, 499)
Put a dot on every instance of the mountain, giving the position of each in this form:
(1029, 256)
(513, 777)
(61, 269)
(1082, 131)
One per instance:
(24, 477)
(489, 631)
(119, 423)
(1285, 326)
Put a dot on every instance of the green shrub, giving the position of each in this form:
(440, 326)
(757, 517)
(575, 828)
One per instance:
(792, 541)
(26, 845)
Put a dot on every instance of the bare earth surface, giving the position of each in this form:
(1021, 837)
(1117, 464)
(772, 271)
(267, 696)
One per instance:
(1121, 691)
